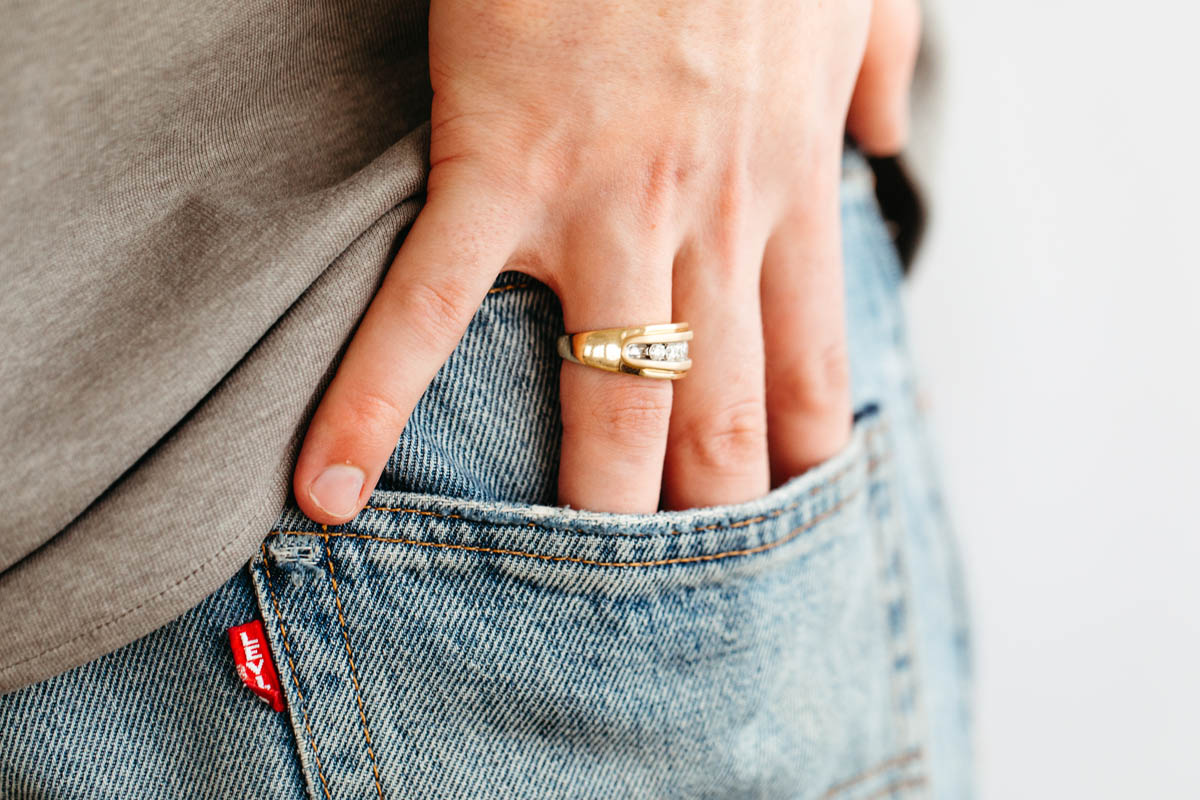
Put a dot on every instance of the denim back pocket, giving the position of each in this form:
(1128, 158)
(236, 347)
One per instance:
(437, 647)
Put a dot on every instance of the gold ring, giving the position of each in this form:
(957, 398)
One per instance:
(652, 351)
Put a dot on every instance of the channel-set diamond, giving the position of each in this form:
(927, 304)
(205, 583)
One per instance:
(673, 351)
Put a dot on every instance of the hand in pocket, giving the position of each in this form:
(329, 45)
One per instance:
(650, 163)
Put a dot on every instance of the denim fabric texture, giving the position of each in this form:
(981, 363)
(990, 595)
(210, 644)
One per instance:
(463, 637)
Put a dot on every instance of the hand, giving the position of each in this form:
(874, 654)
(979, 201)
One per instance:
(652, 161)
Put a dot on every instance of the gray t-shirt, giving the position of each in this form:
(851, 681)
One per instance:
(197, 201)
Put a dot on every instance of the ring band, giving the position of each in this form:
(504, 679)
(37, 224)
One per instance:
(651, 351)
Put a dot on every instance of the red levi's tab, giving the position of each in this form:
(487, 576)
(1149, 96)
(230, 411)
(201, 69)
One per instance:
(254, 665)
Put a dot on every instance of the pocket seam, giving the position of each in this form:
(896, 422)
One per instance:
(873, 463)
(741, 523)
(362, 714)
(701, 558)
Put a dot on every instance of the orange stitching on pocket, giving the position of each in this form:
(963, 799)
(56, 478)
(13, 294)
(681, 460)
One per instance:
(901, 760)
(895, 786)
(872, 466)
(362, 716)
(312, 741)
(508, 287)
(587, 561)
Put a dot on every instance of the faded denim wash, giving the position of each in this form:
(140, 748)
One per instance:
(463, 638)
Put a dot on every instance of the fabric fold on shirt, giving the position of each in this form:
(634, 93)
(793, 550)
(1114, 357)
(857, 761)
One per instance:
(196, 205)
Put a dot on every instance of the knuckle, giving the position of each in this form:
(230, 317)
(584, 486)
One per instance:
(894, 137)
(816, 383)
(729, 229)
(659, 182)
(446, 304)
(631, 416)
(734, 435)
(369, 414)
(885, 135)
(737, 187)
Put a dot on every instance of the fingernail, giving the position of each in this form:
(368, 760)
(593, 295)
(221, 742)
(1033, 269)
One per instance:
(336, 490)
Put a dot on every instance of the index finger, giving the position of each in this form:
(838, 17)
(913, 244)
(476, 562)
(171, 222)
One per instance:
(439, 278)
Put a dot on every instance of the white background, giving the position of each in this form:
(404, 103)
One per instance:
(1056, 317)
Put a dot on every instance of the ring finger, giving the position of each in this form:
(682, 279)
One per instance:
(614, 425)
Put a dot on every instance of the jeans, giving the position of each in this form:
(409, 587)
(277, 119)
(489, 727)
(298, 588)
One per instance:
(462, 637)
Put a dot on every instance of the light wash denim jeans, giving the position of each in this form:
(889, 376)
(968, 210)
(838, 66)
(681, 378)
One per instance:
(463, 638)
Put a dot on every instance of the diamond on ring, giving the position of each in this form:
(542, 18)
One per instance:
(672, 351)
